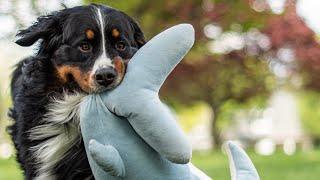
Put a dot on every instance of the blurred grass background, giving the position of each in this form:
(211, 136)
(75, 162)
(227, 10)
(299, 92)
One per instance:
(215, 164)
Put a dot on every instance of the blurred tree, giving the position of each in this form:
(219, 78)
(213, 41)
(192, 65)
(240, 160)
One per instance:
(2, 126)
(290, 31)
(205, 76)
(217, 82)
(237, 42)
(309, 107)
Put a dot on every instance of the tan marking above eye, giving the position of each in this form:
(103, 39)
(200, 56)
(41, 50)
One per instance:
(89, 34)
(115, 33)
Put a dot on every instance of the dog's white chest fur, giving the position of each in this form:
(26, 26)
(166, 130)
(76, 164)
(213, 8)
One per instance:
(60, 130)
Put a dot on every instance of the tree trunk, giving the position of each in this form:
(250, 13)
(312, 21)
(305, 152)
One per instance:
(214, 129)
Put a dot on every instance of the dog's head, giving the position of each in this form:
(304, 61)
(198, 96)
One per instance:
(89, 45)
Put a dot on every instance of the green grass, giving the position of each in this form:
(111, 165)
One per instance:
(302, 166)
(279, 166)
(9, 170)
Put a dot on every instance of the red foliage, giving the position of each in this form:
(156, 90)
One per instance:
(289, 30)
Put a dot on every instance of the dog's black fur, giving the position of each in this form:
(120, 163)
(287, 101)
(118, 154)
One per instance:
(36, 80)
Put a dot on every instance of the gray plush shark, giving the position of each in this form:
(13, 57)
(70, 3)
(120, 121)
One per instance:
(130, 134)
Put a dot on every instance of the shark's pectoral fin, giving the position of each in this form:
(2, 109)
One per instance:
(241, 167)
(107, 157)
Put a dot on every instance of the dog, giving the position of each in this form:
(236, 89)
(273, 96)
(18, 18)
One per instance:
(81, 50)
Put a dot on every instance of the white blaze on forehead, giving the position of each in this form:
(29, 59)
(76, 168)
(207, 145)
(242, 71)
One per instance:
(103, 60)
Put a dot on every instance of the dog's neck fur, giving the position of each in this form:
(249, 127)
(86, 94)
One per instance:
(59, 131)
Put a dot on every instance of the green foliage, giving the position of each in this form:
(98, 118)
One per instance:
(153, 16)
(309, 107)
(230, 107)
(238, 12)
(190, 116)
(4, 122)
(124, 5)
(227, 113)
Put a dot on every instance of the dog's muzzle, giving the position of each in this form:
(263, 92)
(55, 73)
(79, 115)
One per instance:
(109, 77)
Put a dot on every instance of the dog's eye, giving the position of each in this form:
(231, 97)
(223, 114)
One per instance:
(120, 46)
(85, 47)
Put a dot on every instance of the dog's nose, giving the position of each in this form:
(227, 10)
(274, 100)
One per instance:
(105, 76)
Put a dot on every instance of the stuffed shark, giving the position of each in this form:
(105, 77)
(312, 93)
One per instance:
(130, 134)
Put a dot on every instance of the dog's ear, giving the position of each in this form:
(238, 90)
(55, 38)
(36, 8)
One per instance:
(138, 34)
(45, 28)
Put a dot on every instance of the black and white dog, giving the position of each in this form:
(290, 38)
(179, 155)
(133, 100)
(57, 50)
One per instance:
(82, 50)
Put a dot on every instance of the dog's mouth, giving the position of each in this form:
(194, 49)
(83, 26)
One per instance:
(108, 78)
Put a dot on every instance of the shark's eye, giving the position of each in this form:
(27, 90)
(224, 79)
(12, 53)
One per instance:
(120, 46)
(85, 47)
